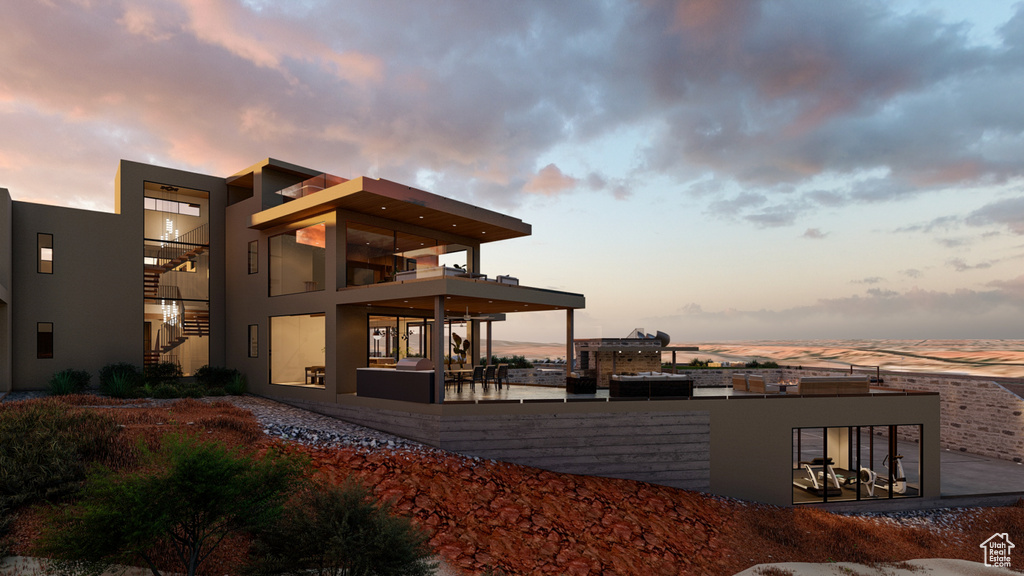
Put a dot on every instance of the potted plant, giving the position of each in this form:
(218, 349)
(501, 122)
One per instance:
(461, 347)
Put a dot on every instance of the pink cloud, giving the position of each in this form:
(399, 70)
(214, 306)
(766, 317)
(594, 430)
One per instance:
(550, 181)
(267, 41)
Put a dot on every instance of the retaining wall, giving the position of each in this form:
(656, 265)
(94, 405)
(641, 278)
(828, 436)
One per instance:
(669, 448)
(672, 448)
(554, 376)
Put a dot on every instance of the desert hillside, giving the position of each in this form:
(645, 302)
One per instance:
(491, 517)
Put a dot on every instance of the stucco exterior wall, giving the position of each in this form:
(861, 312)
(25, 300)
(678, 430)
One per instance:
(93, 297)
(5, 290)
(128, 202)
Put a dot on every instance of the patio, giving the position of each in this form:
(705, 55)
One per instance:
(525, 393)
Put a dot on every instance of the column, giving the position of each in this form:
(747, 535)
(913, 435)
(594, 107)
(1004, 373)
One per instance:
(437, 337)
(489, 327)
(568, 341)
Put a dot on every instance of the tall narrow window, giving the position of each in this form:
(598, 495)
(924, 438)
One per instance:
(44, 340)
(45, 253)
(253, 257)
(254, 341)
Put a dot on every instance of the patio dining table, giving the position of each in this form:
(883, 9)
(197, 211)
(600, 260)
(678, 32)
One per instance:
(460, 375)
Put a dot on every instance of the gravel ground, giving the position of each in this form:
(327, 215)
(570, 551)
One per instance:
(304, 427)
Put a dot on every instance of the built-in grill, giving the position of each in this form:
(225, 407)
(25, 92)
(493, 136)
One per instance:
(414, 364)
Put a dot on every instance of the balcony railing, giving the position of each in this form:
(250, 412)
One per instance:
(310, 186)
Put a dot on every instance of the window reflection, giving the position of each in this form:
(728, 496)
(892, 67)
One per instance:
(374, 255)
(297, 260)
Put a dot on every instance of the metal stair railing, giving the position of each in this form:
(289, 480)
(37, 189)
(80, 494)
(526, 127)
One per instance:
(195, 241)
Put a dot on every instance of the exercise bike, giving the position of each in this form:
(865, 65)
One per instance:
(871, 479)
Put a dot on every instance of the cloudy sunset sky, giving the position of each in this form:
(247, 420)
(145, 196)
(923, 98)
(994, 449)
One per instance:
(712, 169)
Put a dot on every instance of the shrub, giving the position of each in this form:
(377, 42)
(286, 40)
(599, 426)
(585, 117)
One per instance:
(214, 376)
(69, 381)
(45, 446)
(187, 497)
(237, 386)
(512, 361)
(120, 380)
(333, 529)
(162, 373)
(166, 391)
(191, 391)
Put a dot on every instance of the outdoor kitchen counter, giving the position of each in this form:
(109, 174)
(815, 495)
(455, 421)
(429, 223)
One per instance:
(392, 384)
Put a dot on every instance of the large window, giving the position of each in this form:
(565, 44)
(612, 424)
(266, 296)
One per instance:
(171, 206)
(297, 347)
(44, 244)
(176, 263)
(297, 260)
(838, 464)
(392, 338)
(44, 340)
(374, 255)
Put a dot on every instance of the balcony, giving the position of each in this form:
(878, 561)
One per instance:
(310, 186)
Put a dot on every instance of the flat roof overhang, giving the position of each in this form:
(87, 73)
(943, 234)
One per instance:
(246, 179)
(477, 297)
(393, 201)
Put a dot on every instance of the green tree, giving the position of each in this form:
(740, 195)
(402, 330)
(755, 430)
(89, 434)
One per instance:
(341, 531)
(188, 496)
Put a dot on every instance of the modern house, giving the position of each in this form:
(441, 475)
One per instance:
(295, 277)
(322, 291)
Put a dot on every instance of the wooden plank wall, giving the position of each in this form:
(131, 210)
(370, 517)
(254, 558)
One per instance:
(424, 428)
(669, 448)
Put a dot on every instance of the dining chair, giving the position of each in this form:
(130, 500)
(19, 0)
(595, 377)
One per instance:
(489, 374)
(478, 376)
(502, 375)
